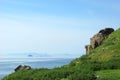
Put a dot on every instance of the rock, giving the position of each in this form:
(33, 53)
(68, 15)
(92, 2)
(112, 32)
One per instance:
(106, 31)
(20, 67)
(98, 38)
(88, 48)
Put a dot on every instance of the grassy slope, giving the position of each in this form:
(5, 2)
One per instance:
(109, 49)
(106, 56)
(108, 75)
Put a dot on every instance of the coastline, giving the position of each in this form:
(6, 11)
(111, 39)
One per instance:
(12, 63)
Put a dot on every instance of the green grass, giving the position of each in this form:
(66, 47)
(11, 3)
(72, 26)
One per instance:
(108, 75)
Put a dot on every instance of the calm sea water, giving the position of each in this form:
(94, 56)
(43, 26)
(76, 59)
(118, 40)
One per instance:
(7, 65)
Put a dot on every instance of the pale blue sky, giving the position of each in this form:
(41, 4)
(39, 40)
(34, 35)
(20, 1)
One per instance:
(53, 27)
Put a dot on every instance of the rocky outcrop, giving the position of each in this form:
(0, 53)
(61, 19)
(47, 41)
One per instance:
(20, 67)
(98, 38)
(88, 48)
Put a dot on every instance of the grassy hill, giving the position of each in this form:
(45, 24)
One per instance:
(108, 75)
(102, 64)
(109, 49)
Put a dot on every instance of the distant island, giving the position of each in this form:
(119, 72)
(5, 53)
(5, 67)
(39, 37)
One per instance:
(30, 55)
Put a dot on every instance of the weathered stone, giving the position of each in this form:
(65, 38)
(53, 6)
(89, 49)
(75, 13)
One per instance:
(106, 31)
(88, 48)
(97, 39)
(20, 67)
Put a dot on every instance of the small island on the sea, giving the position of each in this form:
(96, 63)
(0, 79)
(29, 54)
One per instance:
(30, 55)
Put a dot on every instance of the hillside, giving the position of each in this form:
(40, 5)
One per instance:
(109, 49)
(101, 64)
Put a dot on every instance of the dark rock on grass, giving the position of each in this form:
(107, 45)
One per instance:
(20, 67)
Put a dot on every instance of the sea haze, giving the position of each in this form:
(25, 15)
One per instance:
(7, 65)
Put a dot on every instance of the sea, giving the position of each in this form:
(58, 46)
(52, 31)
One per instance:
(7, 65)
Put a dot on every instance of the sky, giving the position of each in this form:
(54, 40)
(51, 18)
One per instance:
(53, 27)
